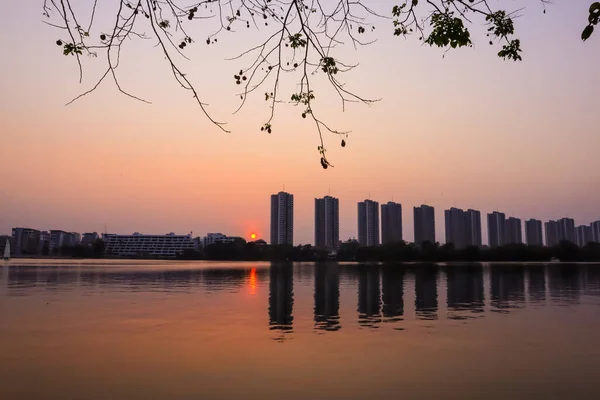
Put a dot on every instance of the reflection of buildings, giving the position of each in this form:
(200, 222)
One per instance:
(426, 302)
(508, 286)
(393, 292)
(592, 280)
(327, 297)
(465, 289)
(564, 283)
(537, 283)
(281, 296)
(369, 297)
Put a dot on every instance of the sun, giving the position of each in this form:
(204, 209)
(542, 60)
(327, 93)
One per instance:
(253, 236)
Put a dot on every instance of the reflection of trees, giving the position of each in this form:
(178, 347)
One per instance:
(564, 283)
(281, 296)
(327, 297)
(426, 298)
(508, 287)
(369, 299)
(465, 289)
(393, 292)
(537, 283)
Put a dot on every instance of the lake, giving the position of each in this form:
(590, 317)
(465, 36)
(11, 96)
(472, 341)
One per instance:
(117, 329)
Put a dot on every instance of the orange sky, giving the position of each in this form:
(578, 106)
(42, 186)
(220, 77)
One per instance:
(466, 130)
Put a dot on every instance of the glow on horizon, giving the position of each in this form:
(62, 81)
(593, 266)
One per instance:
(467, 130)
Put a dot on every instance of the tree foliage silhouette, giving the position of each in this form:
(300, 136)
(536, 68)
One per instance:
(301, 38)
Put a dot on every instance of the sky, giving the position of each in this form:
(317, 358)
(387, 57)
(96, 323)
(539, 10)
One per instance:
(458, 129)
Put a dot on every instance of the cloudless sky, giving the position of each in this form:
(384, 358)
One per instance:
(466, 129)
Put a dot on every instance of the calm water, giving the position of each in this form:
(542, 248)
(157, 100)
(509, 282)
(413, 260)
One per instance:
(201, 330)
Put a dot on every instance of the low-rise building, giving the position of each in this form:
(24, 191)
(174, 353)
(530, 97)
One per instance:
(139, 245)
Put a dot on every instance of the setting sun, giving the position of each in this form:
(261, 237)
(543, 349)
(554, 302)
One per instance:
(253, 236)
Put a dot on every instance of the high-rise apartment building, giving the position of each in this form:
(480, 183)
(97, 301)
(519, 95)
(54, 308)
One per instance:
(473, 223)
(566, 229)
(282, 218)
(551, 228)
(327, 223)
(368, 223)
(533, 232)
(456, 227)
(496, 229)
(424, 223)
(595, 231)
(513, 231)
(583, 235)
(391, 222)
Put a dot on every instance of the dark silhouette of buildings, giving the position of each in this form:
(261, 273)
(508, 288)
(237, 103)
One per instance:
(391, 222)
(583, 235)
(533, 232)
(496, 229)
(282, 218)
(424, 222)
(368, 223)
(456, 227)
(551, 228)
(514, 231)
(566, 229)
(595, 231)
(327, 223)
(473, 227)
(463, 228)
(25, 241)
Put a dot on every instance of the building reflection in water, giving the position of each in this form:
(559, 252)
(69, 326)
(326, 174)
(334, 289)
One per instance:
(393, 293)
(536, 275)
(426, 297)
(564, 283)
(369, 296)
(281, 296)
(465, 291)
(327, 297)
(507, 287)
(592, 280)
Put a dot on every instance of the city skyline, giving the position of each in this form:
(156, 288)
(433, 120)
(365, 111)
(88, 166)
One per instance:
(469, 231)
(109, 160)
